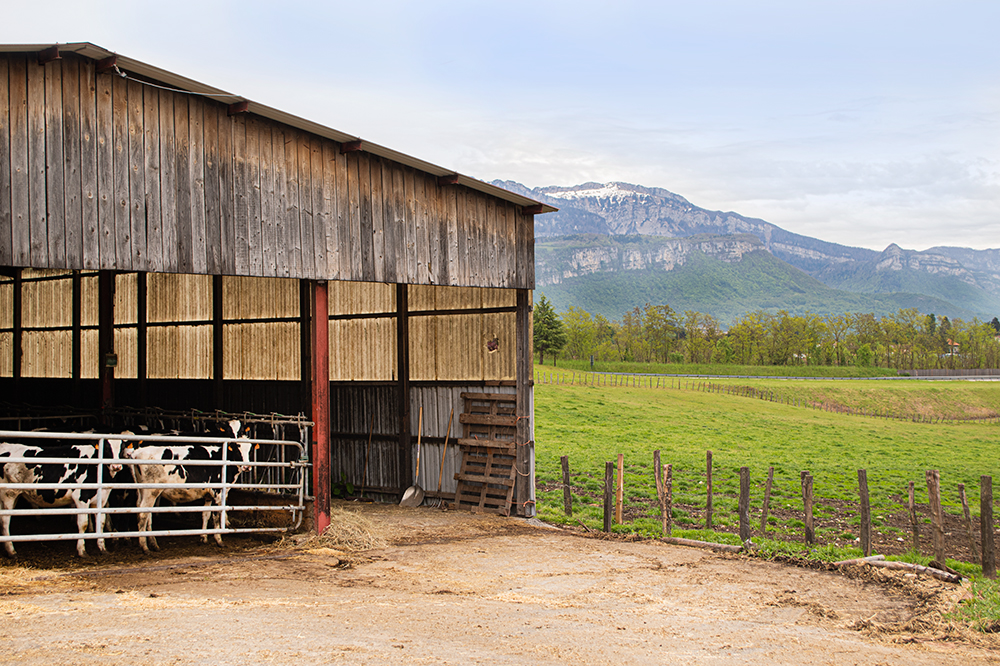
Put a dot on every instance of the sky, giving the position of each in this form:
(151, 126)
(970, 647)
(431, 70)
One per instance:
(862, 123)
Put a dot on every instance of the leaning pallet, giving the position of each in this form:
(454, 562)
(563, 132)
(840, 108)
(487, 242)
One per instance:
(489, 453)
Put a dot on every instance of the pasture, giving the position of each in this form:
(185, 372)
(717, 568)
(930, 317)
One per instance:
(593, 424)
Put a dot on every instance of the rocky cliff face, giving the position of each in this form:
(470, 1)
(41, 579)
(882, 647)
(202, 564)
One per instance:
(560, 259)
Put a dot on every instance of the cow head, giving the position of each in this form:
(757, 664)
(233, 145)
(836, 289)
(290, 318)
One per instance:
(241, 451)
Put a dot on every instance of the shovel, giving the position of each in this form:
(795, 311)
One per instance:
(414, 495)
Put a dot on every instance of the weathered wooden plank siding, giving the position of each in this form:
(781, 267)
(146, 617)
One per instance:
(97, 171)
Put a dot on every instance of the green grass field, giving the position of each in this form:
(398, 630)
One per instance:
(718, 369)
(592, 424)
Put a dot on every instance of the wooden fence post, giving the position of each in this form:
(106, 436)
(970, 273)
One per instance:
(807, 505)
(620, 491)
(986, 525)
(708, 490)
(744, 505)
(914, 525)
(609, 494)
(937, 516)
(767, 500)
(668, 497)
(567, 496)
(968, 524)
(660, 494)
(866, 513)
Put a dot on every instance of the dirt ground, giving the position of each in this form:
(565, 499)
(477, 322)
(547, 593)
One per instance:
(456, 588)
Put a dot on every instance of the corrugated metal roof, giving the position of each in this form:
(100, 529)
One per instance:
(139, 68)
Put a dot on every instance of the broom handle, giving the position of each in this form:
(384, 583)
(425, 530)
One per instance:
(447, 435)
(420, 432)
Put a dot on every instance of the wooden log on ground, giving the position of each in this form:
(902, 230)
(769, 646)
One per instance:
(986, 525)
(866, 513)
(937, 516)
(744, 504)
(620, 490)
(609, 494)
(767, 500)
(973, 546)
(914, 525)
(859, 560)
(916, 568)
(567, 496)
(708, 490)
(724, 547)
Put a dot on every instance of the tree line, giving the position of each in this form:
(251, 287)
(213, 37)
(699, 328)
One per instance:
(907, 339)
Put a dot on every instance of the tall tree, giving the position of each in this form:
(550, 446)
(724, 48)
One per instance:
(549, 336)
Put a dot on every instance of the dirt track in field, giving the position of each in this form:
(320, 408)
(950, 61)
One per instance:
(456, 588)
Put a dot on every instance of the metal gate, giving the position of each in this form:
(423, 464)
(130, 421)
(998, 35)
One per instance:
(283, 472)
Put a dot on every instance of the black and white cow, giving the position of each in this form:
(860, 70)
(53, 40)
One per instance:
(184, 468)
(62, 474)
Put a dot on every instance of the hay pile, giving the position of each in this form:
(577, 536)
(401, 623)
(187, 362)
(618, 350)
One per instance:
(350, 531)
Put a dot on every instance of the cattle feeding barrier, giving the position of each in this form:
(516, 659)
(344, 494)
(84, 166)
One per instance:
(284, 472)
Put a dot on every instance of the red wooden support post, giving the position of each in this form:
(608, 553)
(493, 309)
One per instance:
(321, 406)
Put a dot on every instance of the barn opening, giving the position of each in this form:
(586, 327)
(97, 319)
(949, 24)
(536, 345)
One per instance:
(167, 247)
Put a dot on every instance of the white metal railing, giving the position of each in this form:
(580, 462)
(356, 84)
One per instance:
(286, 476)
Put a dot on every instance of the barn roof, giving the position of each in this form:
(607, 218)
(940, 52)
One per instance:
(142, 69)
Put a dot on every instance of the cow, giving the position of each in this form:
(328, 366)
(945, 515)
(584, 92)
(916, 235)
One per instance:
(237, 451)
(64, 474)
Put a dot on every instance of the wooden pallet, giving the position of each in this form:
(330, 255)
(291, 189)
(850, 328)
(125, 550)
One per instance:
(489, 453)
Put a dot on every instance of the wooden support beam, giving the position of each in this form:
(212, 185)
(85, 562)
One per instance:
(218, 341)
(141, 346)
(403, 383)
(450, 179)
(238, 107)
(45, 56)
(106, 338)
(77, 339)
(533, 210)
(17, 346)
(321, 406)
(107, 64)
(351, 146)
(524, 407)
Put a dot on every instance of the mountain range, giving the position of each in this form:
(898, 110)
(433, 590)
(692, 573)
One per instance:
(614, 246)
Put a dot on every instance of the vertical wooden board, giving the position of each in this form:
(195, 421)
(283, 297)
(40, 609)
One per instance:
(410, 224)
(481, 254)
(72, 177)
(6, 249)
(305, 240)
(20, 236)
(227, 212)
(120, 173)
(104, 112)
(38, 226)
(151, 177)
(509, 245)
(55, 190)
(137, 176)
(182, 183)
(282, 257)
(332, 222)
(241, 198)
(428, 238)
(90, 238)
(354, 214)
(254, 225)
(292, 222)
(400, 250)
(321, 215)
(267, 200)
(342, 216)
(451, 242)
(377, 198)
(388, 240)
(440, 268)
(170, 254)
(196, 162)
(365, 217)
(462, 215)
(213, 193)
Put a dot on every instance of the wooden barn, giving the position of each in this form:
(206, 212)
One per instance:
(166, 244)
